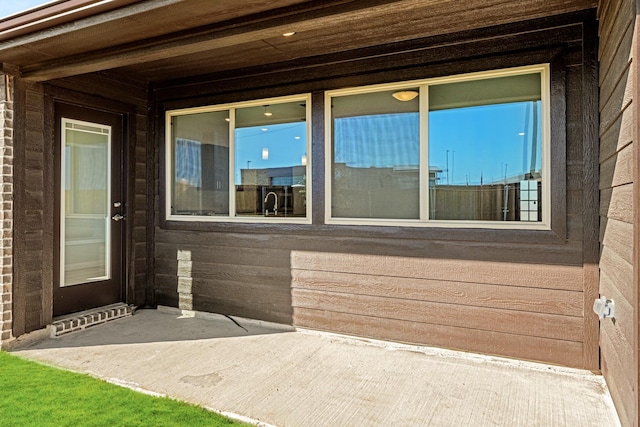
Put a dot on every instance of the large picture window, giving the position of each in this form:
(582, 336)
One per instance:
(466, 150)
(241, 162)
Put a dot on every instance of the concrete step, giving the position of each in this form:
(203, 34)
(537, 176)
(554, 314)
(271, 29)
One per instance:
(85, 319)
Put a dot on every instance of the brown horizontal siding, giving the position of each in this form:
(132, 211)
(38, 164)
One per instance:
(612, 106)
(509, 321)
(33, 220)
(617, 112)
(618, 135)
(618, 169)
(567, 353)
(617, 203)
(513, 273)
(242, 281)
(273, 277)
(526, 299)
(615, 367)
(623, 324)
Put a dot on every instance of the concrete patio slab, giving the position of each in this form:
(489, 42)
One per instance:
(303, 378)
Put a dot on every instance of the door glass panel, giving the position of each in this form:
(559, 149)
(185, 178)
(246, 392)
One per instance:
(85, 202)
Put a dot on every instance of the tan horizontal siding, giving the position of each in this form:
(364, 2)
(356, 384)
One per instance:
(567, 353)
(616, 369)
(564, 277)
(618, 169)
(487, 319)
(535, 300)
(617, 187)
(617, 203)
(623, 324)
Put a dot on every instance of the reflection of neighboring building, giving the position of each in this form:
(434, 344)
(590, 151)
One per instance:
(289, 175)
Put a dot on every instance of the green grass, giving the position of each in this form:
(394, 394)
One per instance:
(32, 394)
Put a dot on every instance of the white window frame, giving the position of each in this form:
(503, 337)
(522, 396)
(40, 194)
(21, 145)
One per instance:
(232, 217)
(97, 129)
(424, 221)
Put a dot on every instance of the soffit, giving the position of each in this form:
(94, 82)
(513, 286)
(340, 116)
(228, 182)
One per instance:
(160, 40)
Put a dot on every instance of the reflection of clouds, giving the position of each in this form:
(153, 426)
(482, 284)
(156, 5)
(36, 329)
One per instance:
(188, 162)
(382, 140)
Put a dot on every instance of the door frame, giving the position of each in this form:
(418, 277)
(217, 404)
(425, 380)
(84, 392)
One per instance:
(56, 95)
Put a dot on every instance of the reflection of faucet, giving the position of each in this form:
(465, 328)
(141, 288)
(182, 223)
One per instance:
(275, 203)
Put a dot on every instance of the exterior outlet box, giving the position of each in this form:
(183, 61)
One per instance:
(604, 307)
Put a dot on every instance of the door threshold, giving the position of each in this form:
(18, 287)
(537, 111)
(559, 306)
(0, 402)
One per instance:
(63, 325)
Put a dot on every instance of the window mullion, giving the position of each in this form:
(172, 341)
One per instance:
(424, 153)
(232, 162)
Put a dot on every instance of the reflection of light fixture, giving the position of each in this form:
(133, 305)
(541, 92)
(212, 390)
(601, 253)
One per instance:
(227, 119)
(303, 160)
(267, 112)
(405, 95)
(264, 129)
(265, 154)
(520, 133)
(289, 34)
(296, 137)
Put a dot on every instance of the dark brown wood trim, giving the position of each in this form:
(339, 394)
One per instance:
(153, 135)
(19, 178)
(591, 194)
(49, 220)
(55, 94)
(635, 380)
(80, 99)
(317, 158)
(558, 147)
(129, 133)
(10, 69)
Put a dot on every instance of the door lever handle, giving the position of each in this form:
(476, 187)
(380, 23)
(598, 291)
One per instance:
(117, 217)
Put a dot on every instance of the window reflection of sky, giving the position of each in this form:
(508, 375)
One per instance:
(484, 141)
(286, 144)
(481, 141)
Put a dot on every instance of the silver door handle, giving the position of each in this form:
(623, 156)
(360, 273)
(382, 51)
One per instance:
(117, 217)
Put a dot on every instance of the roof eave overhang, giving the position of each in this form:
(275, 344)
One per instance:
(52, 14)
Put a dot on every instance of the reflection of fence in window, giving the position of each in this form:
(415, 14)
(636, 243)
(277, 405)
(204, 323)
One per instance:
(375, 166)
(488, 202)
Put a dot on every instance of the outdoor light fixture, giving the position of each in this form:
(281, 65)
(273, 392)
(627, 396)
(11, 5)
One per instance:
(405, 95)
(303, 160)
(267, 112)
